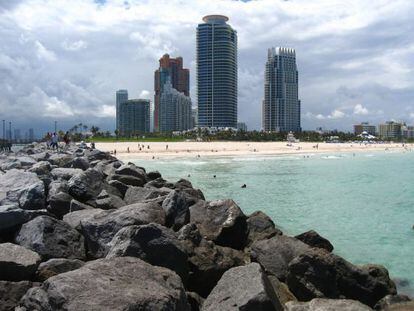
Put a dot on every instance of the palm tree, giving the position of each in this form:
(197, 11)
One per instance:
(94, 130)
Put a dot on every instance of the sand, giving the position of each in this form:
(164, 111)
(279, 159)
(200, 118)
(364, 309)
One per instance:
(226, 148)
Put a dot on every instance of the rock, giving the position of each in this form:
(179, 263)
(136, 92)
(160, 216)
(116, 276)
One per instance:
(281, 289)
(77, 206)
(159, 183)
(60, 159)
(59, 204)
(312, 238)
(100, 228)
(390, 301)
(152, 243)
(22, 188)
(176, 207)
(86, 185)
(41, 156)
(183, 184)
(320, 274)
(402, 306)
(122, 283)
(64, 173)
(96, 154)
(261, 227)
(40, 168)
(75, 218)
(57, 186)
(153, 175)
(108, 201)
(327, 305)
(141, 194)
(122, 188)
(243, 288)
(17, 263)
(10, 164)
(221, 221)
(276, 253)
(12, 216)
(195, 301)
(57, 266)
(131, 170)
(11, 293)
(191, 234)
(51, 238)
(26, 161)
(128, 180)
(81, 163)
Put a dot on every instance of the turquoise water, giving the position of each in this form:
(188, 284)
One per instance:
(364, 204)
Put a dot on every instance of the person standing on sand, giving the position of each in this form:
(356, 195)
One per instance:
(55, 140)
(166, 147)
(48, 140)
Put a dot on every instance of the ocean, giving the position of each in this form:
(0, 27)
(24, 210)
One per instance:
(362, 203)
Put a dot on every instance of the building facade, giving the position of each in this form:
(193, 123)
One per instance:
(281, 105)
(170, 69)
(216, 73)
(194, 117)
(241, 126)
(121, 97)
(390, 130)
(174, 110)
(134, 117)
(407, 132)
(365, 127)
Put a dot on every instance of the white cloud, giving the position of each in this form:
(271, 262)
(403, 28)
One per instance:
(74, 46)
(335, 114)
(145, 94)
(360, 110)
(43, 53)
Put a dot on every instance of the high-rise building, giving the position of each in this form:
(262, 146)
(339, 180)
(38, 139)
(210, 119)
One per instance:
(174, 110)
(281, 106)
(121, 97)
(364, 127)
(216, 73)
(170, 69)
(390, 130)
(17, 135)
(31, 135)
(134, 117)
(241, 126)
(194, 117)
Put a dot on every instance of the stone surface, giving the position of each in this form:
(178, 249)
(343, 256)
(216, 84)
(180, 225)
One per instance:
(17, 263)
(312, 238)
(128, 180)
(176, 207)
(141, 194)
(64, 173)
(12, 216)
(243, 288)
(11, 292)
(276, 253)
(391, 300)
(60, 159)
(86, 185)
(195, 301)
(22, 188)
(81, 163)
(51, 238)
(122, 283)
(327, 305)
(59, 204)
(260, 227)
(75, 205)
(108, 201)
(56, 266)
(221, 221)
(122, 188)
(152, 243)
(41, 168)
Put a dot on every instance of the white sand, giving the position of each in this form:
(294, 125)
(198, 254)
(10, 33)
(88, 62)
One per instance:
(226, 148)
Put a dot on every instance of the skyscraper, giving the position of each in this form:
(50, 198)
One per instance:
(134, 117)
(121, 96)
(216, 73)
(170, 69)
(281, 106)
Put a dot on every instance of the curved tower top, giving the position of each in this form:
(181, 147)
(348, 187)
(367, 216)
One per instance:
(215, 19)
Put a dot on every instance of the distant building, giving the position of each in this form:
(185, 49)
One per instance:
(170, 69)
(134, 117)
(121, 97)
(407, 132)
(364, 127)
(31, 135)
(216, 73)
(390, 130)
(17, 135)
(194, 117)
(241, 126)
(281, 105)
(174, 110)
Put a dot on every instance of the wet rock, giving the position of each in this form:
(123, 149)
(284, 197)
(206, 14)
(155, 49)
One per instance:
(122, 283)
(86, 185)
(261, 227)
(62, 173)
(221, 221)
(243, 288)
(11, 293)
(51, 238)
(56, 266)
(183, 184)
(17, 263)
(312, 238)
(327, 305)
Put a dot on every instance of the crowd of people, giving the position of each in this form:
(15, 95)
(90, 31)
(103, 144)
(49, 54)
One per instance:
(53, 139)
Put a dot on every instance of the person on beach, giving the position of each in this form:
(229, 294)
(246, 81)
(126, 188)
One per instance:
(128, 149)
(114, 151)
(166, 147)
(55, 140)
(66, 138)
(48, 140)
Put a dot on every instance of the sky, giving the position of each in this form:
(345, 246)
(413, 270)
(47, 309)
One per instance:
(64, 60)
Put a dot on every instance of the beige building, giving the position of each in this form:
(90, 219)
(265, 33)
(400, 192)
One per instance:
(390, 130)
(365, 127)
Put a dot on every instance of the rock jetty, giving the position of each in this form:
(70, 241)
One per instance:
(82, 230)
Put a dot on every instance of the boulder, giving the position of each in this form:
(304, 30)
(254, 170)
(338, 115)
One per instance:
(195, 301)
(152, 243)
(86, 185)
(123, 283)
(60, 159)
(77, 206)
(281, 289)
(74, 219)
(10, 164)
(276, 253)
(141, 194)
(183, 184)
(100, 228)
(81, 163)
(153, 175)
(260, 227)
(57, 186)
(59, 204)
(312, 238)
(51, 238)
(17, 263)
(159, 183)
(96, 154)
(176, 207)
(243, 288)
(390, 301)
(56, 266)
(122, 188)
(12, 216)
(40, 168)
(22, 188)
(320, 274)
(128, 180)
(131, 170)
(11, 293)
(63, 173)
(108, 201)
(26, 161)
(327, 305)
(221, 221)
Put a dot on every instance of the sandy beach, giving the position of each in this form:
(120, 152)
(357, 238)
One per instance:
(129, 150)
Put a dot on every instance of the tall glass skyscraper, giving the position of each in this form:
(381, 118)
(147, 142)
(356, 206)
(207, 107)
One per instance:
(134, 117)
(216, 73)
(281, 106)
(121, 97)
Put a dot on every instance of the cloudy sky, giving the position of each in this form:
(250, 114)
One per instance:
(64, 60)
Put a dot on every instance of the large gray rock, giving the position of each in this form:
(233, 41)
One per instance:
(59, 204)
(122, 283)
(243, 288)
(75, 218)
(64, 173)
(122, 188)
(51, 238)
(26, 161)
(81, 163)
(86, 185)
(276, 253)
(41, 168)
(141, 194)
(176, 206)
(11, 293)
(22, 188)
(261, 227)
(56, 266)
(312, 238)
(327, 305)
(152, 243)
(128, 180)
(221, 221)
(60, 159)
(320, 274)
(57, 186)
(75, 205)
(106, 200)
(132, 170)
(100, 228)
(12, 216)
(17, 263)
(391, 302)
